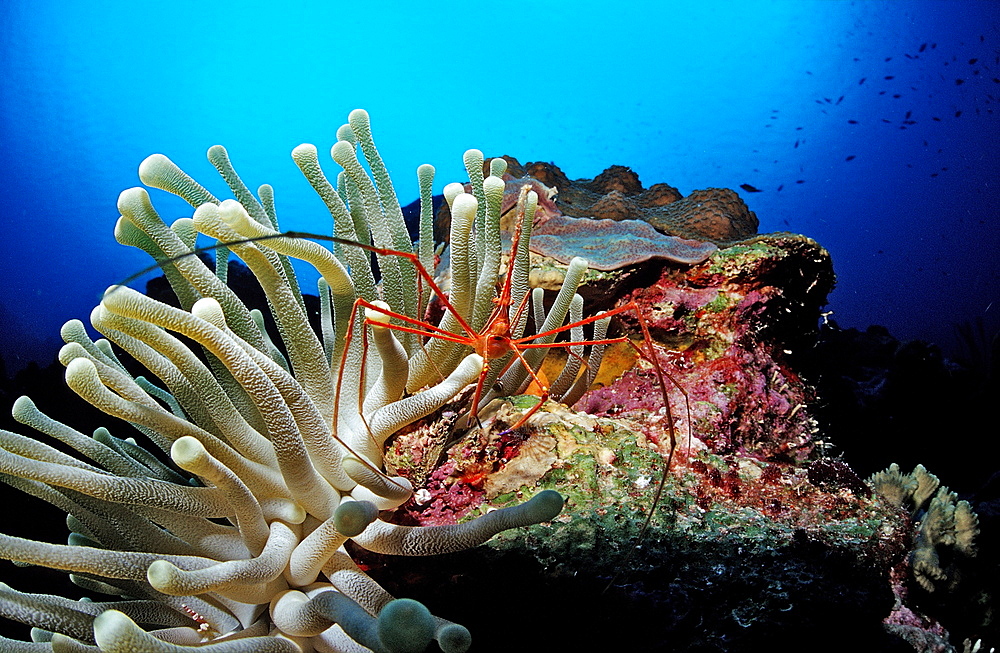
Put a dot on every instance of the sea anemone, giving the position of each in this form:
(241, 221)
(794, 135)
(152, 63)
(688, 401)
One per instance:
(275, 444)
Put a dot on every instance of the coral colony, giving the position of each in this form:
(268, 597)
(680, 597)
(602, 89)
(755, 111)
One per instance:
(240, 547)
(287, 454)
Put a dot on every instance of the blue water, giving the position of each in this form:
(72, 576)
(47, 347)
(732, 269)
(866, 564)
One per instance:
(699, 94)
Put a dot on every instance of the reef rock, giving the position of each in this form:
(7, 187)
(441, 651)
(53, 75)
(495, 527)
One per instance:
(750, 545)
(758, 540)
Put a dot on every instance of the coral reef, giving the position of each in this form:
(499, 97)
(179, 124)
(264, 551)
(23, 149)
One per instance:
(765, 546)
(758, 540)
(353, 452)
(716, 215)
(275, 443)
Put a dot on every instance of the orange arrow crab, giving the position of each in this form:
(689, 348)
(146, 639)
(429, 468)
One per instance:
(509, 360)
(484, 312)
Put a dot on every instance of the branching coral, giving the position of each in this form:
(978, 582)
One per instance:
(276, 450)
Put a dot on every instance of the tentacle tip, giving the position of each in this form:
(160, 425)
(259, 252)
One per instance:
(352, 517)
(152, 167)
(342, 152)
(374, 314)
(358, 116)
(405, 625)
(161, 574)
(453, 638)
(304, 149)
(111, 625)
(187, 451)
(546, 505)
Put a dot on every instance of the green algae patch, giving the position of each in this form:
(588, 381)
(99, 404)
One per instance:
(731, 260)
(710, 503)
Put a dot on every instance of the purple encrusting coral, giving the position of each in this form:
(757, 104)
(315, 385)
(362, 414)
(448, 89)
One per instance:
(727, 323)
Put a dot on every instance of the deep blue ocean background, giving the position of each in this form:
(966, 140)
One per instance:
(869, 126)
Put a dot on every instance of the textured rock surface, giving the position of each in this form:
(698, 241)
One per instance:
(741, 553)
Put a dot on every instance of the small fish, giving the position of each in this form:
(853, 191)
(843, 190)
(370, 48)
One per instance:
(935, 119)
(972, 61)
(996, 80)
(909, 122)
(884, 120)
(959, 82)
(796, 144)
(852, 122)
(908, 114)
(780, 186)
(849, 158)
(862, 81)
(923, 46)
(958, 114)
(888, 58)
(926, 143)
(800, 181)
(828, 100)
(750, 189)
(933, 45)
(890, 77)
(896, 95)
(908, 55)
(839, 100)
